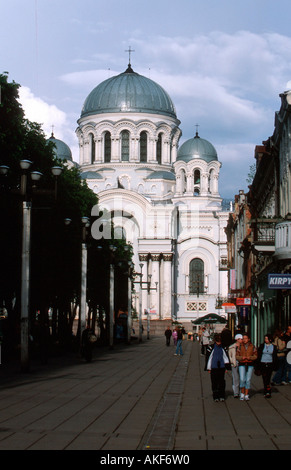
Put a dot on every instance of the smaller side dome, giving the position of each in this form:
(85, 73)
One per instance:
(197, 148)
(61, 150)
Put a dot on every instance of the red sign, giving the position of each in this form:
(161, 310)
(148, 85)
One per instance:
(243, 301)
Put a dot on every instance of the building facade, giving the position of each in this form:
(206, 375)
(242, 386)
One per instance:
(164, 199)
(263, 251)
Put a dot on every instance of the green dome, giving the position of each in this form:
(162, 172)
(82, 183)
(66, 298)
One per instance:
(197, 148)
(62, 151)
(131, 93)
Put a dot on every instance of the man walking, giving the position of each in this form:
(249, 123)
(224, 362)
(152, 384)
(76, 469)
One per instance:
(168, 334)
(217, 361)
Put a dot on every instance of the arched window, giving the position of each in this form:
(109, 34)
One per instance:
(159, 149)
(143, 146)
(107, 147)
(196, 276)
(197, 182)
(92, 148)
(197, 177)
(124, 146)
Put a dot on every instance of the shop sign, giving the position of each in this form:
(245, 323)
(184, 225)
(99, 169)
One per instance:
(279, 281)
(243, 301)
(244, 315)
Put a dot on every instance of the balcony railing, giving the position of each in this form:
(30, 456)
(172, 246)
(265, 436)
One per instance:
(264, 234)
(283, 240)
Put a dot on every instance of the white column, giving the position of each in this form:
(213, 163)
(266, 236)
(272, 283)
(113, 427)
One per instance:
(143, 257)
(174, 152)
(204, 183)
(152, 154)
(155, 295)
(81, 151)
(190, 183)
(86, 151)
(99, 153)
(166, 291)
(215, 184)
(133, 151)
(166, 153)
(115, 155)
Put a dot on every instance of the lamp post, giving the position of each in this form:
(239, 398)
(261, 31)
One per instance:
(129, 285)
(83, 301)
(141, 288)
(149, 288)
(85, 222)
(111, 296)
(25, 267)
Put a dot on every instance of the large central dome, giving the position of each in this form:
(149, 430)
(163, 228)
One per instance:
(129, 92)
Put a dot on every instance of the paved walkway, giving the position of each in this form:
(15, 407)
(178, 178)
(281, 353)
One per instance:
(136, 397)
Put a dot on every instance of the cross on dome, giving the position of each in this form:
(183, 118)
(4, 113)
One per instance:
(129, 50)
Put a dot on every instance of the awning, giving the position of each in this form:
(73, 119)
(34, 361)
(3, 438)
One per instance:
(210, 318)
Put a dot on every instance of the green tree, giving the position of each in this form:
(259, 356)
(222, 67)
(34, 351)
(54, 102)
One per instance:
(55, 255)
(55, 247)
(251, 173)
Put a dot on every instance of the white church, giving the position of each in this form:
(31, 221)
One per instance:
(164, 199)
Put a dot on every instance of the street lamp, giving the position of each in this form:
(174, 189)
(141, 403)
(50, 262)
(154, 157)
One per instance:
(85, 223)
(111, 295)
(129, 299)
(149, 288)
(141, 288)
(56, 171)
(4, 170)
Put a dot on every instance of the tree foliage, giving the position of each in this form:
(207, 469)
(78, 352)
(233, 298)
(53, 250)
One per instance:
(55, 247)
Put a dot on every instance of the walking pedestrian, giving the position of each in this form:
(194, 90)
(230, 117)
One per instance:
(280, 344)
(179, 351)
(87, 343)
(175, 336)
(232, 350)
(287, 367)
(226, 337)
(217, 361)
(246, 355)
(168, 334)
(205, 339)
(267, 362)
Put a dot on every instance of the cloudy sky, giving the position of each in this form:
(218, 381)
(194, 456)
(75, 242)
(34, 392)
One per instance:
(223, 62)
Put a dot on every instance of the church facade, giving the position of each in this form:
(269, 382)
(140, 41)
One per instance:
(164, 199)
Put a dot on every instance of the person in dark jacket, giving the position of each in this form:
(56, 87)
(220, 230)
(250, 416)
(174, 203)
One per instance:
(86, 349)
(217, 362)
(266, 363)
(168, 334)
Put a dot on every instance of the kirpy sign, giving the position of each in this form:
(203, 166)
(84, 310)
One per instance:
(279, 281)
